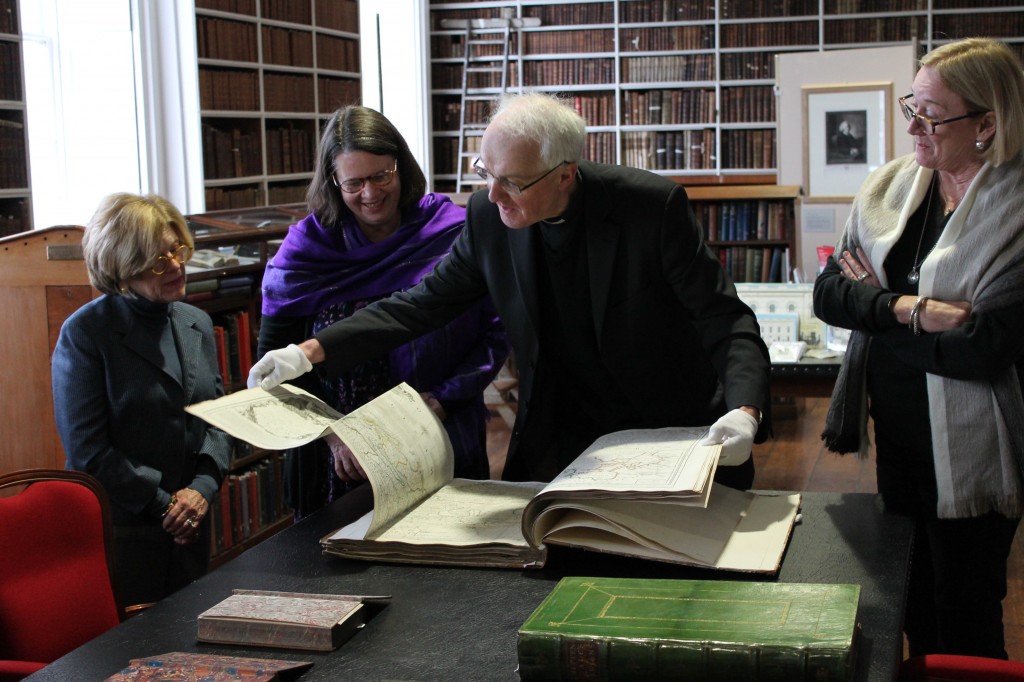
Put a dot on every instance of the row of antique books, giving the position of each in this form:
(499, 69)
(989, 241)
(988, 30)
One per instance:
(668, 150)
(758, 264)
(745, 220)
(659, 107)
(765, 34)
(639, 107)
(755, 103)
(13, 167)
(575, 14)
(247, 503)
(255, 194)
(10, 71)
(232, 153)
(236, 153)
(338, 15)
(661, 150)
(223, 89)
(236, 41)
(558, 42)
(234, 334)
(559, 72)
(228, 40)
(9, 16)
(287, 46)
(748, 148)
(667, 38)
(667, 68)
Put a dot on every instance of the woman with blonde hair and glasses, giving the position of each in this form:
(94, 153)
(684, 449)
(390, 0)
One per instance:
(373, 230)
(125, 366)
(929, 276)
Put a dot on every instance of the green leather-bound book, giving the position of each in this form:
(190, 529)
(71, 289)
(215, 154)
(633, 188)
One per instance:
(704, 630)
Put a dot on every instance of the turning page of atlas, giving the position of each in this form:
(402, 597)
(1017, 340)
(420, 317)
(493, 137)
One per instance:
(281, 418)
(646, 493)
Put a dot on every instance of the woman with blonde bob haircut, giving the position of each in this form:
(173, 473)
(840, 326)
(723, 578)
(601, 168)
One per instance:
(125, 366)
(929, 278)
(125, 234)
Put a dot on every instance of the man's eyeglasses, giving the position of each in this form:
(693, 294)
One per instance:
(507, 185)
(928, 125)
(181, 254)
(381, 179)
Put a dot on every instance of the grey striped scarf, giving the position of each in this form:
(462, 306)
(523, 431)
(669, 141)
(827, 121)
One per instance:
(977, 426)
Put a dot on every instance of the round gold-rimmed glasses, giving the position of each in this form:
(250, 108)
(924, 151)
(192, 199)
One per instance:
(181, 255)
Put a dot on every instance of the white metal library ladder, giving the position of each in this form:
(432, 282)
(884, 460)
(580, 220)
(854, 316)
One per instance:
(480, 57)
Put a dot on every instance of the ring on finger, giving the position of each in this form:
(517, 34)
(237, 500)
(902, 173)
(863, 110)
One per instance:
(191, 521)
(862, 276)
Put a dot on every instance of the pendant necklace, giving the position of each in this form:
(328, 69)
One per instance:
(915, 271)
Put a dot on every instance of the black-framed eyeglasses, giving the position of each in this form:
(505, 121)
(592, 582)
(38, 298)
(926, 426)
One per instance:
(507, 185)
(181, 255)
(381, 179)
(928, 125)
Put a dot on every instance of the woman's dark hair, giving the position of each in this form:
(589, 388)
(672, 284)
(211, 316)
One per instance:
(359, 129)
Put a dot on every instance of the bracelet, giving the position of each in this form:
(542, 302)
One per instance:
(915, 315)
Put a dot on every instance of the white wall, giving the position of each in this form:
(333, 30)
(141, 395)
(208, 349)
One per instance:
(398, 84)
(822, 223)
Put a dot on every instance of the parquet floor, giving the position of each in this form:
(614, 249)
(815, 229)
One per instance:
(795, 460)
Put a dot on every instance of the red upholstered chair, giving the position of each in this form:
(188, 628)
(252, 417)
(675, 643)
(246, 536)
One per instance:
(56, 580)
(947, 668)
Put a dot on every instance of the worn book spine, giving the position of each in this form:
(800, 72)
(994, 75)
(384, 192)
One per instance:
(562, 657)
(284, 635)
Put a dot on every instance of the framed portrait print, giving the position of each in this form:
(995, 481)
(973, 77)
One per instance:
(847, 134)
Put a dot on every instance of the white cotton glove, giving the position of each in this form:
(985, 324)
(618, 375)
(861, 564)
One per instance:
(278, 366)
(735, 430)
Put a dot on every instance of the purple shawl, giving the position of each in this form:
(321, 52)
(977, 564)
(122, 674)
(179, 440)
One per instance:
(317, 266)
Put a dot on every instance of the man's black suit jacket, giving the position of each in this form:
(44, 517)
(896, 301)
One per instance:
(671, 330)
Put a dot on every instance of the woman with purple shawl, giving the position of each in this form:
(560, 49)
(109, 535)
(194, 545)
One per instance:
(372, 231)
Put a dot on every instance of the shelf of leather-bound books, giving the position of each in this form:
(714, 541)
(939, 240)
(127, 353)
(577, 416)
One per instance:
(270, 73)
(633, 51)
(250, 506)
(750, 228)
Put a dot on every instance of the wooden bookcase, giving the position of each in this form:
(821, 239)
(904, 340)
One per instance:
(15, 194)
(751, 228)
(250, 505)
(270, 73)
(678, 87)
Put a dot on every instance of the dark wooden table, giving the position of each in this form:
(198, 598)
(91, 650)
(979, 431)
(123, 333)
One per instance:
(460, 624)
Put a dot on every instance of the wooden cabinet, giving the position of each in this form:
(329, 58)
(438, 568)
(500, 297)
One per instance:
(15, 195)
(42, 281)
(270, 73)
(751, 228)
(678, 87)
